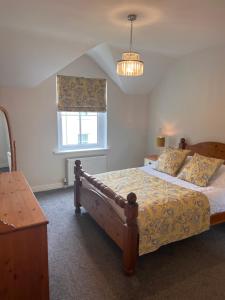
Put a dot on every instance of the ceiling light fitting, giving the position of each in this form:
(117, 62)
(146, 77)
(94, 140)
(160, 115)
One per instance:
(130, 64)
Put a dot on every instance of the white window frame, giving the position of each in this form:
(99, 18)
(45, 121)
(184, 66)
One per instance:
(101, 135)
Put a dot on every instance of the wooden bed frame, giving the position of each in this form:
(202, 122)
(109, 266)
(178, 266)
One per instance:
(95, 197)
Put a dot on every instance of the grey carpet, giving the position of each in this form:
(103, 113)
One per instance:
(86, 265)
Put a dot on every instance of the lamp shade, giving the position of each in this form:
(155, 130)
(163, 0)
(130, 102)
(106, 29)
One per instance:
(160, 141)
(130, 65)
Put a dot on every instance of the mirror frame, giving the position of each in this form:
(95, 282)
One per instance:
(11, 141)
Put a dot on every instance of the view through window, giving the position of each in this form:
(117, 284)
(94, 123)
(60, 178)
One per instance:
(81, 130)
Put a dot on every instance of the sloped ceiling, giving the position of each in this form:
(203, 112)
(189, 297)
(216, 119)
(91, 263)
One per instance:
(39, 38)
(155, 65)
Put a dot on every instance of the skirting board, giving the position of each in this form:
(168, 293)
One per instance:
(47, 187)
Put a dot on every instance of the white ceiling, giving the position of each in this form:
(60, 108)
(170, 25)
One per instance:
(40, 37)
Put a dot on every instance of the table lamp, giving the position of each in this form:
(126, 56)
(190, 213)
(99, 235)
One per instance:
(160, 142)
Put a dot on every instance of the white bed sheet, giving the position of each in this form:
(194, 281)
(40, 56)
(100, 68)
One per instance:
(215, 192)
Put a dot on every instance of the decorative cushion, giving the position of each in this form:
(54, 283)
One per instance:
(200, 169)
(171, 160)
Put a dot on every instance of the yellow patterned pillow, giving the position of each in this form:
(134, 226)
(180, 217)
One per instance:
(171, 160)
(200, 169)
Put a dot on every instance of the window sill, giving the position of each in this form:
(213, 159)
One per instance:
(83, 152)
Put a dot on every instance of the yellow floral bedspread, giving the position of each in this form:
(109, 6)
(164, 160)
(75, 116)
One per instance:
(167, 212)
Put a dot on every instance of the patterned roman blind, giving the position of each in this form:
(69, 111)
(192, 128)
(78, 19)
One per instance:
(81, 94)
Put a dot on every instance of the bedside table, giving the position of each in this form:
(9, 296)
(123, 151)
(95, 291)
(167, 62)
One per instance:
(150, 158)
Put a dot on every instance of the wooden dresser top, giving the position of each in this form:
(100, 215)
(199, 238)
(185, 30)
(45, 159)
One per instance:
(18, 206)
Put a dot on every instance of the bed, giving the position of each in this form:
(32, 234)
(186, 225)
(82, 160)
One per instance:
(118, 215)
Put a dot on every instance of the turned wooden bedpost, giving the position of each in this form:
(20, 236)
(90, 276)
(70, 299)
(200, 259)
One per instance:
(130, 250)
(77, 185)
(182, 144)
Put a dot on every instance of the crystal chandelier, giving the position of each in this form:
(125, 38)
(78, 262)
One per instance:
(130, 64)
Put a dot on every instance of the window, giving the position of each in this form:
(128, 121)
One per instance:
(81, 130)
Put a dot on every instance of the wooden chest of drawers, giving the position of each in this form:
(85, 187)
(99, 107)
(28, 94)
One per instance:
(23, 242)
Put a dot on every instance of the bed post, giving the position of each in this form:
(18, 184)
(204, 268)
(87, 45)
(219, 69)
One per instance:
(77, 185)
(130, 250)
(182, 144)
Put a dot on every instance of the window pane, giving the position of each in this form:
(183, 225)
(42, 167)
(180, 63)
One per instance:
(70, 128)
(89, 128)
(83, 138)
(79, 129)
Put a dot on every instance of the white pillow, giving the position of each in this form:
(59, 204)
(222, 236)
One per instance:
(153, 164)
(219, 177)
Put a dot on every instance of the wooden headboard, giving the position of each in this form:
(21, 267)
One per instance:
(211, 149)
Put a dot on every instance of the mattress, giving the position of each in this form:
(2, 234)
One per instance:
(167, 212)
(215, 191)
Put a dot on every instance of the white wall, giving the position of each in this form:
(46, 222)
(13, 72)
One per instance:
(34, 123)
(190, 100)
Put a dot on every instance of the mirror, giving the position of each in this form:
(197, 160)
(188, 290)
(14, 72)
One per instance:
(7, 145)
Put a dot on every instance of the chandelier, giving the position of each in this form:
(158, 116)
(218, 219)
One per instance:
(130, 64)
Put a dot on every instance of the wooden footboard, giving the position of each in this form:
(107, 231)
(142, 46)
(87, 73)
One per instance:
(95, 197)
